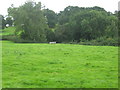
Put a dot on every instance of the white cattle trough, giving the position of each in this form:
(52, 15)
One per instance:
(52, 42)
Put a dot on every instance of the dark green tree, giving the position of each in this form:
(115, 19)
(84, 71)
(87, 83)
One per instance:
(29, 21)
(2, 22)
(51, 17)
(9, 21)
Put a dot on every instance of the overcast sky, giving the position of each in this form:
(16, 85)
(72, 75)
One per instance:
(59, 5)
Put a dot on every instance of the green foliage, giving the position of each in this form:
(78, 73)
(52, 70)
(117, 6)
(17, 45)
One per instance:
(86, 24)
(51, 17)
(29, 20)
(59, 66)
(2, 22)
(72, 25)
(103, 41)
(50, 35)
(63, 33)
(9, 21)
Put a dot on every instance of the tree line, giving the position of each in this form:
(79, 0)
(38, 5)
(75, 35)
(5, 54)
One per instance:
(90, 25)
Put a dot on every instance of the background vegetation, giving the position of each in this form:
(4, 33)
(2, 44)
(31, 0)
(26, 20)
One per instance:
(91, 25)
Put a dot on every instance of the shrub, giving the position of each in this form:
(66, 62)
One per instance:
(102, 41)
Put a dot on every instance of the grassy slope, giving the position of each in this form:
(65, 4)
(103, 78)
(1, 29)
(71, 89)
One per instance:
(7, 31)
(59, 66)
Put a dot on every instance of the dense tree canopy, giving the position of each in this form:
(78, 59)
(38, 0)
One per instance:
(74, 24)
(29, 21)
(2, 22)
(51, 17)
(9, 21)
(81, 24)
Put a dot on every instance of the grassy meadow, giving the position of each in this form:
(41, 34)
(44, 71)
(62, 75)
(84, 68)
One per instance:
(36, 65)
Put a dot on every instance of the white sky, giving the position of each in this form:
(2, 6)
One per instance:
(59, 5)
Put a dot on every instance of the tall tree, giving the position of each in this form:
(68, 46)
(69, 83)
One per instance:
(9, 21)
(2, 22)
(29, 21)
(51, 17)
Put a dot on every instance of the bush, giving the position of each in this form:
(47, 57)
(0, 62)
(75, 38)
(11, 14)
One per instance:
(108, 41)
(14, 39)
(102, 41)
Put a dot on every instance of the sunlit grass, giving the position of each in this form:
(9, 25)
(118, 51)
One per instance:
(59, 66)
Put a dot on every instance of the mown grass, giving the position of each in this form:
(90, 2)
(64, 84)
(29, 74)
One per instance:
(59, 66)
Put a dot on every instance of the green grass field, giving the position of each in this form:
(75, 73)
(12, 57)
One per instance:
(36, 65)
